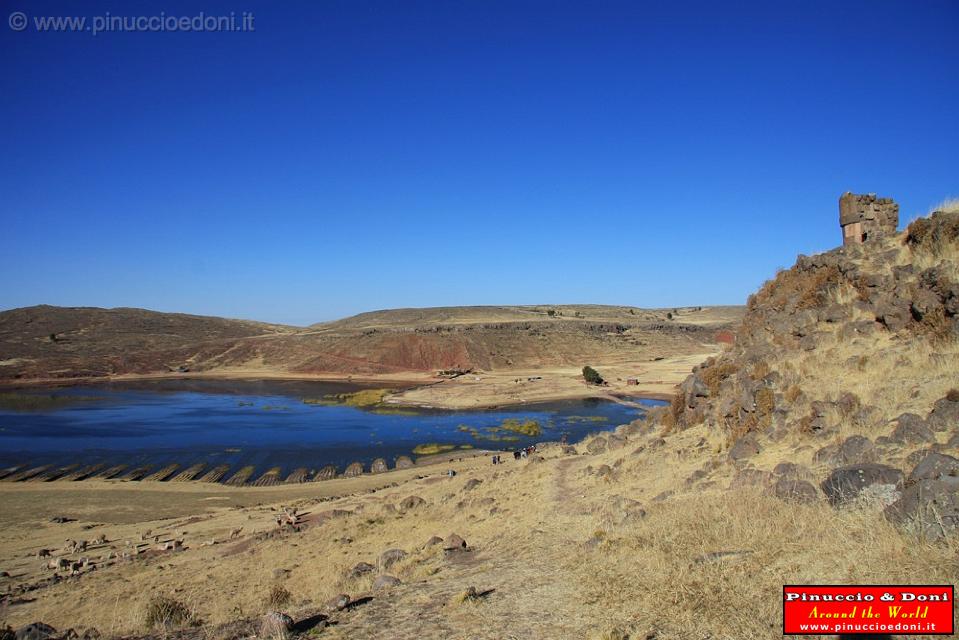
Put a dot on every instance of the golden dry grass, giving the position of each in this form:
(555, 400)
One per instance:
(551, 546)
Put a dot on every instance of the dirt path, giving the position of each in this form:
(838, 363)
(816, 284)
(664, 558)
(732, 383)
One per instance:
(525, 576)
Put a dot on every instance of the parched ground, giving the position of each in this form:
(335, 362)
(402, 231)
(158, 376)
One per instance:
(647, 539)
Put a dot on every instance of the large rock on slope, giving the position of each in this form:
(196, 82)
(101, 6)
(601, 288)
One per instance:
(930, 507)
(850, 482)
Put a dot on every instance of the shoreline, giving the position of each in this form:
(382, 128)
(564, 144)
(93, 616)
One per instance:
(405, 383)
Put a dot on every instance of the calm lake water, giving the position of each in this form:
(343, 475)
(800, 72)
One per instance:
(264, 424)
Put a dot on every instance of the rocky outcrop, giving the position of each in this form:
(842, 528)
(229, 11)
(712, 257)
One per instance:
(848, 483)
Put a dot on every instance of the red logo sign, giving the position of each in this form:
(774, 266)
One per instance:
(891, 609)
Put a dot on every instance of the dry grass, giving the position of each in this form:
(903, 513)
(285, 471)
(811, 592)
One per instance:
(166, 613)
(528, 523)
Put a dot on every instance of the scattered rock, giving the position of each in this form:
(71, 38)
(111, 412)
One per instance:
(390, 557)
(379, 466)
(912, 429)
(434, 540)
(746, 447)
(604, 471)
(848, 483)
(596, 445)
(361, 569)
(792, 471)
(471, 484)
(792, 490)
(338, 603)
(404, 462)
(455, 542)
(751, 479)
(275, 625)
(934, 466)
(931, 507)
(35, 631)
(944, 415)
(857, 449)
(411, 502)
(614, 441)
(385, 582)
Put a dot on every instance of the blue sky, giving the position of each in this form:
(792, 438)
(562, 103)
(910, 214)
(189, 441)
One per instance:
(354, 155)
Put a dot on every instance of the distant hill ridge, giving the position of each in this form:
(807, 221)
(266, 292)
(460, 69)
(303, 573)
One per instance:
(47, 342)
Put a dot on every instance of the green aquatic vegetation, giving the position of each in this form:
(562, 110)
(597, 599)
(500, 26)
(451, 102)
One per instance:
(364, 398)
(575, 419)
(526, 427)
(432, 448)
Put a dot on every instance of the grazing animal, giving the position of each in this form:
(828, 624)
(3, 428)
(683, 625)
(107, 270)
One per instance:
(100, 539)
(43, 553)
(80, 547)
(68, 545)
(235, 533)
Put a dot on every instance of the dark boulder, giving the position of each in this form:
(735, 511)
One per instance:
(857, 449)
(390, 557)
(385, 582)
(411, 502)
(934, 466)
(792, 490)
(944, 415)
(361, 569)
(849, 482)
(930, 507)
(751, 479)
(35, 631)
(745, 447)
(596, 445)
(614, 441)
(912, 429)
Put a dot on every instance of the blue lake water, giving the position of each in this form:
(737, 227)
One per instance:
(264, 424)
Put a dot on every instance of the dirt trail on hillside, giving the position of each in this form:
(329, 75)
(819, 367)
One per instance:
(525, 577)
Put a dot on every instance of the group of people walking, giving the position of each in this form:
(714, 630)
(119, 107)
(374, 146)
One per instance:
(517, 455)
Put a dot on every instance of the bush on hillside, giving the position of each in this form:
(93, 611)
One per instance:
(591, 376)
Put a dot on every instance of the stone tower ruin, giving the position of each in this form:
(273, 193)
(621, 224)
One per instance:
(866, 217)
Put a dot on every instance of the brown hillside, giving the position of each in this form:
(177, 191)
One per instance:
(101, 342)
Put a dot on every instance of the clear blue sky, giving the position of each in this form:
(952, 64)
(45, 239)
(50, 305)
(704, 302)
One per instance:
(355, 155)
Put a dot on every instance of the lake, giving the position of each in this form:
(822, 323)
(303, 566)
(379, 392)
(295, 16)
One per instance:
(261, 424)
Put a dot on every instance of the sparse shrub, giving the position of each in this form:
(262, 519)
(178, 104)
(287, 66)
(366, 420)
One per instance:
(935, 233)
(278, 597)
(765, 401)
(802, 289)
(591, 376)
(792, 393)
(714, 375)
(165, 613)
(551, 312)
(760, 370)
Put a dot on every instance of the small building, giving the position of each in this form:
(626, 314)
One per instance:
(866, 217)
